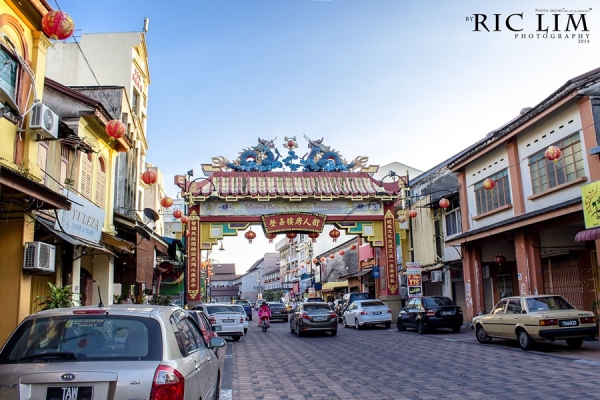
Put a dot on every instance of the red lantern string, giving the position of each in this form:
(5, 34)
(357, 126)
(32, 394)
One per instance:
(444, 203)
(166, 202)
(58, 25)
(270, 236)
(334, 234)
(412, 213)
(177, 214)
(115, 129)
(291, 236)
(489, 184)
(250, 235)
(149, 177)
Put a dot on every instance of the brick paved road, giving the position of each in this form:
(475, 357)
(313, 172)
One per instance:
(387, 364)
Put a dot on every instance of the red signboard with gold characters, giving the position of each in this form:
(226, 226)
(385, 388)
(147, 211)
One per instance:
(194, 259)
(389, 235)
(294, 222)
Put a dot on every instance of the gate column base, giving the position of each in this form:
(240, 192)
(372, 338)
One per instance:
(394, 302)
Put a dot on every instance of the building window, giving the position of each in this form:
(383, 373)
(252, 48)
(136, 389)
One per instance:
(546, 174)
(85, 185)
(43, 159)
(488, 200)
(9, 71)
(100, 183)
(135, 102)
(452, 218)
(64, 164)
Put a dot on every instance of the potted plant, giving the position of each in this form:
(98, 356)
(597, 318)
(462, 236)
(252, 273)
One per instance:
(58, 297)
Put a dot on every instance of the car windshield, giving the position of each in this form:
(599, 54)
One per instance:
(238, 309)
(548, 303)
(84, 338)
(218, 309)
(372, 303)
(437, 301)
(316, 308)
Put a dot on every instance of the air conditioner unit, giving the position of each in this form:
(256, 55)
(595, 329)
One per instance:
(43, 120)
(39, 257)
(436, 276)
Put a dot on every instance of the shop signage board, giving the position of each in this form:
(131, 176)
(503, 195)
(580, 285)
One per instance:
(413, 279)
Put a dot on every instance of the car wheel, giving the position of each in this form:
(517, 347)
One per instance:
(400, 325)
(387, 325)
(420, 327)
(235, 338)
(344, 322)
(245, 331)
(456, 329)
(250, 317)
(298, 331)
(356, 324)
(574, 343)
(525, 341)
(482, 336)
(333, 332)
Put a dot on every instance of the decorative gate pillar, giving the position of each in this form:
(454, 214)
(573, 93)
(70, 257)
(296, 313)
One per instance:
(389, 251)
(194, 259)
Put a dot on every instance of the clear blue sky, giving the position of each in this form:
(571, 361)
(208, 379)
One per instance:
(394, 80)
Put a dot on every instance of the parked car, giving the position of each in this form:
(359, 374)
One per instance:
(313, 300)
(312, 316)
(367, 312)
(278, 311)
(208, 330)
(76, 352)
(350, 298)
(247, 307)
(232, 323)
(430, 312)
(536, 317)
(338, 305)
(240, 310)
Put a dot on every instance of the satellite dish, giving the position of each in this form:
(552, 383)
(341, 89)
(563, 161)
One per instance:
(151, 214)
(143, 232)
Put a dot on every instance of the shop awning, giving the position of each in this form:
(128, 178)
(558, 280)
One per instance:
(75, 241)
(588, 234)
(328, 286)
(362, 272)
(118, 243)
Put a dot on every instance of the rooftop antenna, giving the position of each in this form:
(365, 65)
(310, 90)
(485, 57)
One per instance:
(146, 22)
(101, 304)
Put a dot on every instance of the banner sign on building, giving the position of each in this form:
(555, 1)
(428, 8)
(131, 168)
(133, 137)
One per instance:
(413, 279)
(590, 197)
(389, 235)
(294, 222)
(84, 220)
(194, 259)
(375, 272)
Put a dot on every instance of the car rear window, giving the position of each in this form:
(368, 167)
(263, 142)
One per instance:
(372, 303)
(84, 338)
(238, 309)
(548, 303)
(316, 307)
(437, 301)
(218, 309)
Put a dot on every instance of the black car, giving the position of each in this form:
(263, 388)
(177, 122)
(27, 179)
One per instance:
(430, 312)
(278, 311)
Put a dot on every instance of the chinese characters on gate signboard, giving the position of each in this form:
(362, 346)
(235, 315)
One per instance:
(389, 235)
(413, 279)
(294, 222)
(193, 271)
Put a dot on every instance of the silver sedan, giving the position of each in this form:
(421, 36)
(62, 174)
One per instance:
(367, 312)
(116, 352)
(311, 317)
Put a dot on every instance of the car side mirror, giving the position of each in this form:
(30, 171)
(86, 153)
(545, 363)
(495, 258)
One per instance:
(216, 342)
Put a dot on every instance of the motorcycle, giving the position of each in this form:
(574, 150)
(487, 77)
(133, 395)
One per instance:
(265, 324)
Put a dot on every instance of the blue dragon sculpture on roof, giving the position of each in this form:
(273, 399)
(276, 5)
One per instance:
(265, 157)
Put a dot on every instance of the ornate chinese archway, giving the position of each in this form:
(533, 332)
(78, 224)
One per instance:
(319, 188)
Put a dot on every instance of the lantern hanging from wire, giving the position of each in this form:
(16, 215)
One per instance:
(500, 259)
(291, 236)
(342, 252)
(331, 256)
(185, 219)
(270, 236)
(58, 25)
(489, 184)
(334, 234)
(149, 177)
(177, 213)
(322, 259)
(353, 247)
(166, 202)
(250, 235)
(444, 203)
(553, 153)
(313, 236)
(115, 129)
(412, 213)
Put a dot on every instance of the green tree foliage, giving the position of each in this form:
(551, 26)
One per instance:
(57, 297)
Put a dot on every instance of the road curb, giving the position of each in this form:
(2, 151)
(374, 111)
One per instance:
(227, 374)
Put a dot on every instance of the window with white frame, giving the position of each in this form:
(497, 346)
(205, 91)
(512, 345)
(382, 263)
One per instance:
(489, 200)
(9, 72)
(452, 218)
(546, 174)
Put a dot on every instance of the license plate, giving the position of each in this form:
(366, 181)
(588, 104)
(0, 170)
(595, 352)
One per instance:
(376, 312)
(569, 322)
(227, 321)
(320, 318)
(69, 393)
(447, 313)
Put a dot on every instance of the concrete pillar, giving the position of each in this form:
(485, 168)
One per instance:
(473, 281)
(529, 263)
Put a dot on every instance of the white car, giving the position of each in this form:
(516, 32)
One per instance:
(367, 312)
(232, 323)
(240, 310)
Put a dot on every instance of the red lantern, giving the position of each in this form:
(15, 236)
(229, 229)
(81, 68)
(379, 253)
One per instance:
(331, 256)
(334, 234)
(500, 259)
(342, 252)
(444, 203)
(250, 235)
(412, 213)
(116, 129)
(489, 184)
(270, 236)
(353, 247)
(166, 202)
(553, 153)
(322, 259)
(58, 25)
(177, 214)
(291, 236)
(149, 177)
(315, 261)
(313, 236)
(185, 219)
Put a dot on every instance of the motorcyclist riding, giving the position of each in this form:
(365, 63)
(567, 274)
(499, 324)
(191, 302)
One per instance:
(264, 312)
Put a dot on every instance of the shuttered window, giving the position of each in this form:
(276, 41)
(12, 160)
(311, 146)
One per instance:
(86, 177)
(100, 183)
